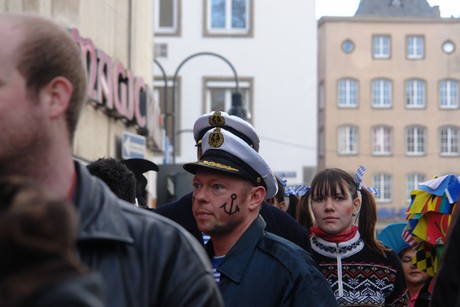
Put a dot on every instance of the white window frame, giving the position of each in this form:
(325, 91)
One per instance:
(381, 46)
(175, 28)
(415, 141)
(415, 94)
(347, 93)
(348, 140)
(382, 93)
(412, 183)
(228, 29)
(160, 51)
(449, 141)
(382, 182)
(381, 141)
(415, 47)
(245, 89)
(448, 94)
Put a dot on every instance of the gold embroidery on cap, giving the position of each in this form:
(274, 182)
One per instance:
(219, 165)
(216, 120)
(259, 180)
(216, 138)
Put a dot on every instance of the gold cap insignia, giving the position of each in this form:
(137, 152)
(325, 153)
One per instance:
(216, 138)
(216, 120)
(219, 165)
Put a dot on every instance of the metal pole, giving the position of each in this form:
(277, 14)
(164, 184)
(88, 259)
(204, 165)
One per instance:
(174, 90)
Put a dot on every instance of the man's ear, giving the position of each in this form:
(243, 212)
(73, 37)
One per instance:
(56, 94)
(257, 196)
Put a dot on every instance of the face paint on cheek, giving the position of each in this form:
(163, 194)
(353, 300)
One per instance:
(233, 208)
(348, 211)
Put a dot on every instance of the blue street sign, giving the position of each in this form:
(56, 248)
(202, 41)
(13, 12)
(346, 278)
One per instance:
(133, 146)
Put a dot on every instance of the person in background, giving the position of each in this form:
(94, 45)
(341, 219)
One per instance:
(144, 259)
(446, 290)
(285, 199)
(292, 205)
(300, 209)
(139, 167)
(278, 200)
(252, 266)
(180, 211)
(118, 177)
(39, 266)
(360, 269)
(417, 281)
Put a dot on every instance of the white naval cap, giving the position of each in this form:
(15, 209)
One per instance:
(226, 152)
(232, 123)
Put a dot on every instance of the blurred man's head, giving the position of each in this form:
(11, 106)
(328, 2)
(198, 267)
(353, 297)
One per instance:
(119, 178)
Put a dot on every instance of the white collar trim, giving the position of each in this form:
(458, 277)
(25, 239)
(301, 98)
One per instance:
(332, 250)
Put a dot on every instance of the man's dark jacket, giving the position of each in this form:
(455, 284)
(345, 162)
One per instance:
(82, 291)
(278, 221)
(446, 291)
(144, 258)
(263, 269)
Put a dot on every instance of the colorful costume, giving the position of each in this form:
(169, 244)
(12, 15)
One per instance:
(428, 218)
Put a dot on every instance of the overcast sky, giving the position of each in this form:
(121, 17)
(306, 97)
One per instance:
(348, 7)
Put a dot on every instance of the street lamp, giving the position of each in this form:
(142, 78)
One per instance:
(237, 105)
(237, 108)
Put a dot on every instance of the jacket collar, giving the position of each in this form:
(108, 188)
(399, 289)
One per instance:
(101, 212)
(332, 250)
(237, 259)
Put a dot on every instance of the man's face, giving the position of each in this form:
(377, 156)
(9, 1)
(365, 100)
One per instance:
(219, 202)
(20, 117)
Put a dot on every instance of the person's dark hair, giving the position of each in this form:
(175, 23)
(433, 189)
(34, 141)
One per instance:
(117, 176)
(48, 52)
(331, 181)
(39, 265)
(403, 251)
(23, 198)
(35, 228)
(303, 214)
(292, 207)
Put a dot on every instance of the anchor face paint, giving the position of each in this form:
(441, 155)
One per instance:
(219, 202)
(232, 208)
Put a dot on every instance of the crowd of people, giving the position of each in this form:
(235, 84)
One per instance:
(75, 235)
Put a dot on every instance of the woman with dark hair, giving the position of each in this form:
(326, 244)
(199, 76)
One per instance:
(39, 265)
(360, 269)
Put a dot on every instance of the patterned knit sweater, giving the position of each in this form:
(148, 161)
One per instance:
(358, 276)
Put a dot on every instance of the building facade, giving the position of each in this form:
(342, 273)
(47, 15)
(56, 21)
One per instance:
(116, 46)
(267, 48)
(388, 83)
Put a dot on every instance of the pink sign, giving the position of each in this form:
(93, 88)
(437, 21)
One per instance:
(112, 86)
